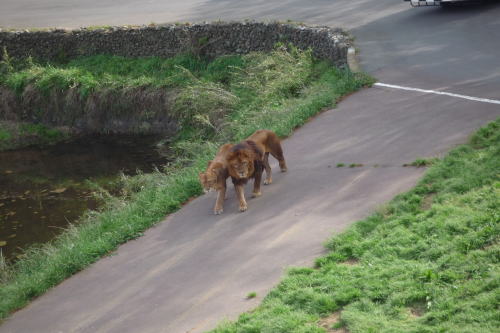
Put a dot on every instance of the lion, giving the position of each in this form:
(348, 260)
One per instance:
(247, 159)
(269, 143)
(214, 178)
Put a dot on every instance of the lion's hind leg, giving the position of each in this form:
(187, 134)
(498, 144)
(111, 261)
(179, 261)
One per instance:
(277, 153)
(269, 178)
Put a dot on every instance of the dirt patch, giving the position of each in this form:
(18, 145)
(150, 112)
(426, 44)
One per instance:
(490, 246)
(328, 322)
(416, 312)
(351, 262)
(427, 201)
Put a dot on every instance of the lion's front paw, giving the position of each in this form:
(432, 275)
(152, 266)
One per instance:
(268, 181)
(243, 207)
(218, 211)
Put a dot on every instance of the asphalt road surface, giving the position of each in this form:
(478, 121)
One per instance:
(194, 269)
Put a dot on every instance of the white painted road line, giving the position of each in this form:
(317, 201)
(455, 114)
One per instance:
(470, 98)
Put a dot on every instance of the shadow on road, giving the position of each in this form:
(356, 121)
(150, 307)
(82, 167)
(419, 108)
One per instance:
(466, 5)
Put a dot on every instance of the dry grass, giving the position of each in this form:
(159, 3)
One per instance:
(329, 323)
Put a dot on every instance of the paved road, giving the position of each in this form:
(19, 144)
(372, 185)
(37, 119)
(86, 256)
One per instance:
(455, 49)
(194, 269)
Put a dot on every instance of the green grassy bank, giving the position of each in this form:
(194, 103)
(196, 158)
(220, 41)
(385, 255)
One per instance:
(426, 262)
(220, 101)
(40, 83)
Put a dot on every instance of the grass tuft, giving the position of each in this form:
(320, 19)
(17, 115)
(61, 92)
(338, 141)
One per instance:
(355, 165)
(251, 295)
(421, 162)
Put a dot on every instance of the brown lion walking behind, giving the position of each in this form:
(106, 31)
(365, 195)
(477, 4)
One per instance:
(247, 160)
(269, 143)
(214, 178)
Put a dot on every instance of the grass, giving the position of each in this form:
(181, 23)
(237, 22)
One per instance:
(16, 135)
(280, 91)
(418, 268)
(111, 73)
(251, 295)
(42, 132)
(100, 72)
(421, 162)
(5, 134)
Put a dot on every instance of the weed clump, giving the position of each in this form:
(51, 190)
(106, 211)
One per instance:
(251, 295)
(203, 106)
(421, 162)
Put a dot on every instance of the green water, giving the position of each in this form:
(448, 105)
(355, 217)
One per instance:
(42, 190)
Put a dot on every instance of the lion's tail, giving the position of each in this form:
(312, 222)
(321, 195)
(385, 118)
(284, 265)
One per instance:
(273, 142)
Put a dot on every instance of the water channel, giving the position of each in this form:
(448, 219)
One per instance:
(42, 190)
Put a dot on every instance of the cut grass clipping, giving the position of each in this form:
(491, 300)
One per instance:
(417, 268)
(251, 295)
(221, 101)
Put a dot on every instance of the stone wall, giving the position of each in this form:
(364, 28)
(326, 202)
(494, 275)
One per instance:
(209, 40)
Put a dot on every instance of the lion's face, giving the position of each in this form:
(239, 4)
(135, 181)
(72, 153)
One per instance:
(208, 181)
(240, 164)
